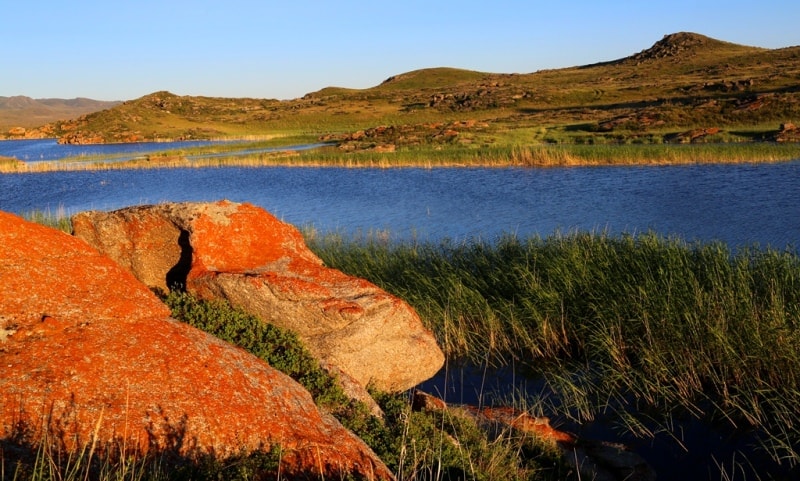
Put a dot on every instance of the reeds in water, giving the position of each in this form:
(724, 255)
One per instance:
(529, 155)
(626, 323)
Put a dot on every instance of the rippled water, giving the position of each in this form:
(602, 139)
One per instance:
(737, 204)
(50, 149)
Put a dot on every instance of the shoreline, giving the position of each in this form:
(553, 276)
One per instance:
(534, 156)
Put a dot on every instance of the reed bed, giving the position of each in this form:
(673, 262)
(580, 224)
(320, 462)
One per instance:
(539, 155)
(652, 154)
(631, 324)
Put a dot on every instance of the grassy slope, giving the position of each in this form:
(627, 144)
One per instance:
(684, 82)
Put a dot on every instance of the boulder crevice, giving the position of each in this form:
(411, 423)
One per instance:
(243, 254)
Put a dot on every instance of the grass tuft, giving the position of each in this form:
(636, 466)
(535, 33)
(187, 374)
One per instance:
(628, 324)
(59, 219)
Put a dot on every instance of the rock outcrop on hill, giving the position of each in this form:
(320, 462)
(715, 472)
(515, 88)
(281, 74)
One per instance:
(243, 254)
(675, 45)
(788, 132)
(90, 355)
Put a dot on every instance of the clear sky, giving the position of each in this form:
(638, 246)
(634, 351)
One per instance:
(122, 50)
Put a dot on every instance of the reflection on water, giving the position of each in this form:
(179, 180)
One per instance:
(686, 449)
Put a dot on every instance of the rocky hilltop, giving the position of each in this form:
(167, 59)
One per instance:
(683, 45)
(684, 81)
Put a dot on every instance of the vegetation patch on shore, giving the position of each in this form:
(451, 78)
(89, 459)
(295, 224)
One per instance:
(685, 89)
(650, 329)
(564, 155)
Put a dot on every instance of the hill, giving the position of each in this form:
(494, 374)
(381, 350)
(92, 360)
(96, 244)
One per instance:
(685, 87)
(25, 112)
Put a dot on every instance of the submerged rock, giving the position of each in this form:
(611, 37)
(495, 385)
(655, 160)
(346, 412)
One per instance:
(90, 356)
(590, 459)
(243, 254)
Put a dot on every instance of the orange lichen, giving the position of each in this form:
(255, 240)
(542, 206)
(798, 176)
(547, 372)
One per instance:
(90, 353)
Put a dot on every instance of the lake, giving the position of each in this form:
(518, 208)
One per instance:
(49, 150)
(740, 204)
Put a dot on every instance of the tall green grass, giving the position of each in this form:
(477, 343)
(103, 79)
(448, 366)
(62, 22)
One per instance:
(59, 219)
(632, 324)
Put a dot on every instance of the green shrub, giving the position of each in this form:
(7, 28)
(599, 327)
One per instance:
(280, 348)
(415, 445)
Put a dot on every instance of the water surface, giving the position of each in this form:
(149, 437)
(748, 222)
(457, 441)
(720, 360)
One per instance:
(49, 149)
(737, 204)
(741, 204)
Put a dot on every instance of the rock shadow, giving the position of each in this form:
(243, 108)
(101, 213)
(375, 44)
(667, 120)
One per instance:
(176, 276)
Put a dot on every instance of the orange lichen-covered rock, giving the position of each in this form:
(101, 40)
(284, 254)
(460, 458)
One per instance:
(522, 421)
(88, 354)
(504, 417)
(145, 244)
(243, 254)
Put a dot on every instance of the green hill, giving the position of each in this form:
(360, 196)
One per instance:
(684, 83)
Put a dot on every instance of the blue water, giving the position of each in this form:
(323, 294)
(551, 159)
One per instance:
(742, 204)
(50, 149)
(737, 204)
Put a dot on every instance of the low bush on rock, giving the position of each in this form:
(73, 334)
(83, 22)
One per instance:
(414, 445)
(280, 348)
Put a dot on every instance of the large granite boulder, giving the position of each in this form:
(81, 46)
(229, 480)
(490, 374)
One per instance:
(89, 354)
(243, 254)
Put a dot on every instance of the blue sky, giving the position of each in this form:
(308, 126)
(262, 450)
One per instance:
(234, 48)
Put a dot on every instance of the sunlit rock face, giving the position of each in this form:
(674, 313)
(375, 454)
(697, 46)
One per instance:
(243, 254)
(88, 354)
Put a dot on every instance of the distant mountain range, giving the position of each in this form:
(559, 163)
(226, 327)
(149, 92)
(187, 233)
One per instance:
(22, 111)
